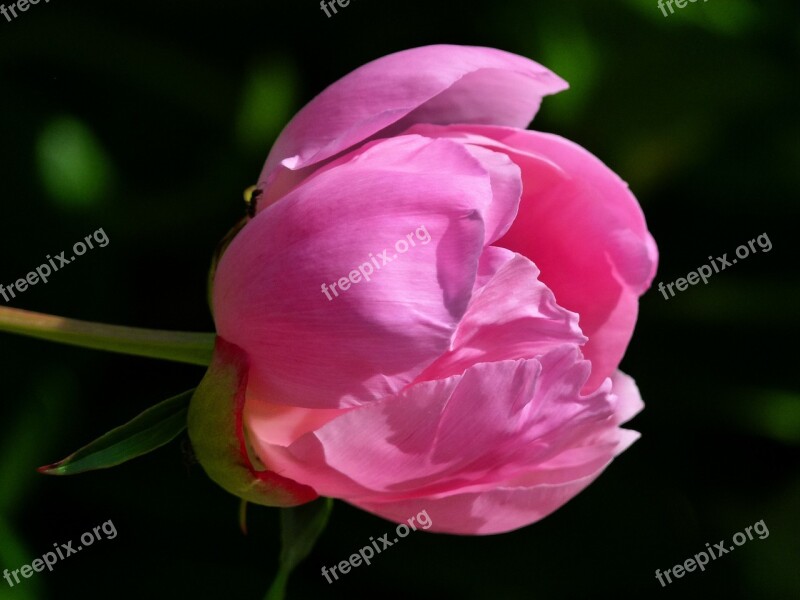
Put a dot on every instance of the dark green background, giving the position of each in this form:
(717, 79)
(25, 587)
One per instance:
(148, 119)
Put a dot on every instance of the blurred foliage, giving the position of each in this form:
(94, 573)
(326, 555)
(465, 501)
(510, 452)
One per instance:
(73, 167)
(267, 99)
(149, 120)
(25, 443)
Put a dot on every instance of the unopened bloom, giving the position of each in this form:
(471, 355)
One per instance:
(473, 376)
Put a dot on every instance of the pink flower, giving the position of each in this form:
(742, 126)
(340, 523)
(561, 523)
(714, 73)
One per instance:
(473, 375)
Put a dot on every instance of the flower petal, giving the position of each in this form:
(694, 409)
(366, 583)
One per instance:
(493, 424)
(584, 230)
(284, 290)
(433, 84)
(512, 315)
(498, 510)
(530, 497)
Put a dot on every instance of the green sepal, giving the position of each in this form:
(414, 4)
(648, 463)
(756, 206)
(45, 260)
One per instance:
(218, 438)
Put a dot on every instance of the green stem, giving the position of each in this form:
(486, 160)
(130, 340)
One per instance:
(178, 346)
(277, 590)
(301, 526)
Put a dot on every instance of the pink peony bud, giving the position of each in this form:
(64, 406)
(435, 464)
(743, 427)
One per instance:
(431, 302)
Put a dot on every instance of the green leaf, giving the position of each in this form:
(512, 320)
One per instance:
(301, 527)
(178, 346)
(149, 431)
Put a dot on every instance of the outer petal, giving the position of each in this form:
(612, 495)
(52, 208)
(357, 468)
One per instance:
(628, 399)
(584, 230)
(317, 346)
(494, 424)
(498, 510)
(432, 84)
(532, 497)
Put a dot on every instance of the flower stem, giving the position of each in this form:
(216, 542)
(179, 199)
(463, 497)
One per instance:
(178, 346)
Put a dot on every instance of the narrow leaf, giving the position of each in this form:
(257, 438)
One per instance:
(149, 431)
(301, 527)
